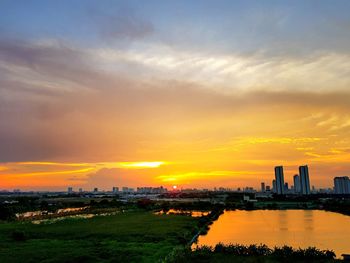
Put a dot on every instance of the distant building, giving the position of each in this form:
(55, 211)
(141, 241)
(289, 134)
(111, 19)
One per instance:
(279, 180)
(127, 190)
(80, 190)
(155, 190)
(263, 187)
(95, 190)
(274, 186)
(304, 180)
(115, 189)
(268, 188)
(296, 179)
(286, 187)
(70, 190)
(342, 185)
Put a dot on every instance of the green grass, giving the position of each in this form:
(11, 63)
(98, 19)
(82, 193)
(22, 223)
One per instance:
(126, 237)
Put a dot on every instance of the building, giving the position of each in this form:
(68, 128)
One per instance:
(80, 190)
(115, 189)
(341, 185)
(304, 180)
(127, 190)
(279, 180)
(70, 190)
(95, 190)
(286, 187)
(274, 186)
(263, 189)
(296, 179)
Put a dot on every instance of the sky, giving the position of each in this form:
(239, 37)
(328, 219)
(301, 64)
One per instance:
(198, 94)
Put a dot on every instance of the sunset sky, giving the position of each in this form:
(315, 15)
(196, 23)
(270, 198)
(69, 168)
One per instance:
(187, 93)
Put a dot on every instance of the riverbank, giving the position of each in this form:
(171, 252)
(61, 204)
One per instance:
(251, 254)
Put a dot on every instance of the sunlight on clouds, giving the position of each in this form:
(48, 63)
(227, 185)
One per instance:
(141, 165)
(282, 140)
(85, 170)
(320, 71)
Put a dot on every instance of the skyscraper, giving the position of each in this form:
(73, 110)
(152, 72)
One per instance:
(296, 179)
(274, 186)
(262, 187)
(279, 180)
(304, 180)
(341, 185)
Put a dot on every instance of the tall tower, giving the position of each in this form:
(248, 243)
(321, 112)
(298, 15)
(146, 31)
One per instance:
(296, 179)
(279, 180)
(341, 185)
(304, 180)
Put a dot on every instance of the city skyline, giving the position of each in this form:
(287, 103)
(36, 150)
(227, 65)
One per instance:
(191, 93)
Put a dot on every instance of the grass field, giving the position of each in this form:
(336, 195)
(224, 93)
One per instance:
(125, 237)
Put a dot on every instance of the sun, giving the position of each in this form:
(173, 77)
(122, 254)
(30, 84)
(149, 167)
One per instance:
(174, 187)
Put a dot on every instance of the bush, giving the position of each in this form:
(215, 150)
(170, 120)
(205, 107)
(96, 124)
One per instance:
(18, 235)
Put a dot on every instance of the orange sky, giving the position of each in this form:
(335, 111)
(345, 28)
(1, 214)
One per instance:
(141, 95)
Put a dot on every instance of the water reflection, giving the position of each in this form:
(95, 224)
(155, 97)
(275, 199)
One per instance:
(193, 213)
(296, 228)
(79, 216)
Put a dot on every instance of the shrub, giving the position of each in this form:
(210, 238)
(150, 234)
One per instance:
(18, 235)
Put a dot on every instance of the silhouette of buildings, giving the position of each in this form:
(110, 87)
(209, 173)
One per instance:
(304, 180)
(279, 177)
(263, 187)
(296, 180)
(341, 185)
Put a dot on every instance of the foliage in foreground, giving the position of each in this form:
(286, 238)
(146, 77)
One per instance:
(124, 237)
(249, 253)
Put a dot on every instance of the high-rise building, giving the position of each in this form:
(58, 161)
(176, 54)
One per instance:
(341, 185)
(304, 180)
(95, 190)
(274, 186)
(115, 189)
(80, 190)
(70, 190)
(296, 179)
(279, 180)
(263, 187)
(286, 188)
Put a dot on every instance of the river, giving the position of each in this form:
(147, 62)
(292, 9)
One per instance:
(296, 228)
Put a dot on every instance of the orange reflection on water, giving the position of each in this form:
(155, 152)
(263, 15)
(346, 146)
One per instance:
(296, 228)
(193, 213)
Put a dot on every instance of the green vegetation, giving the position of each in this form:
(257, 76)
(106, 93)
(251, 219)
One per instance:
(125, 237)
(251, 253)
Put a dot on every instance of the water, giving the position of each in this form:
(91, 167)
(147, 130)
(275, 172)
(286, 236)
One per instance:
(193, 213)
(296, 228)
(33, 214)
